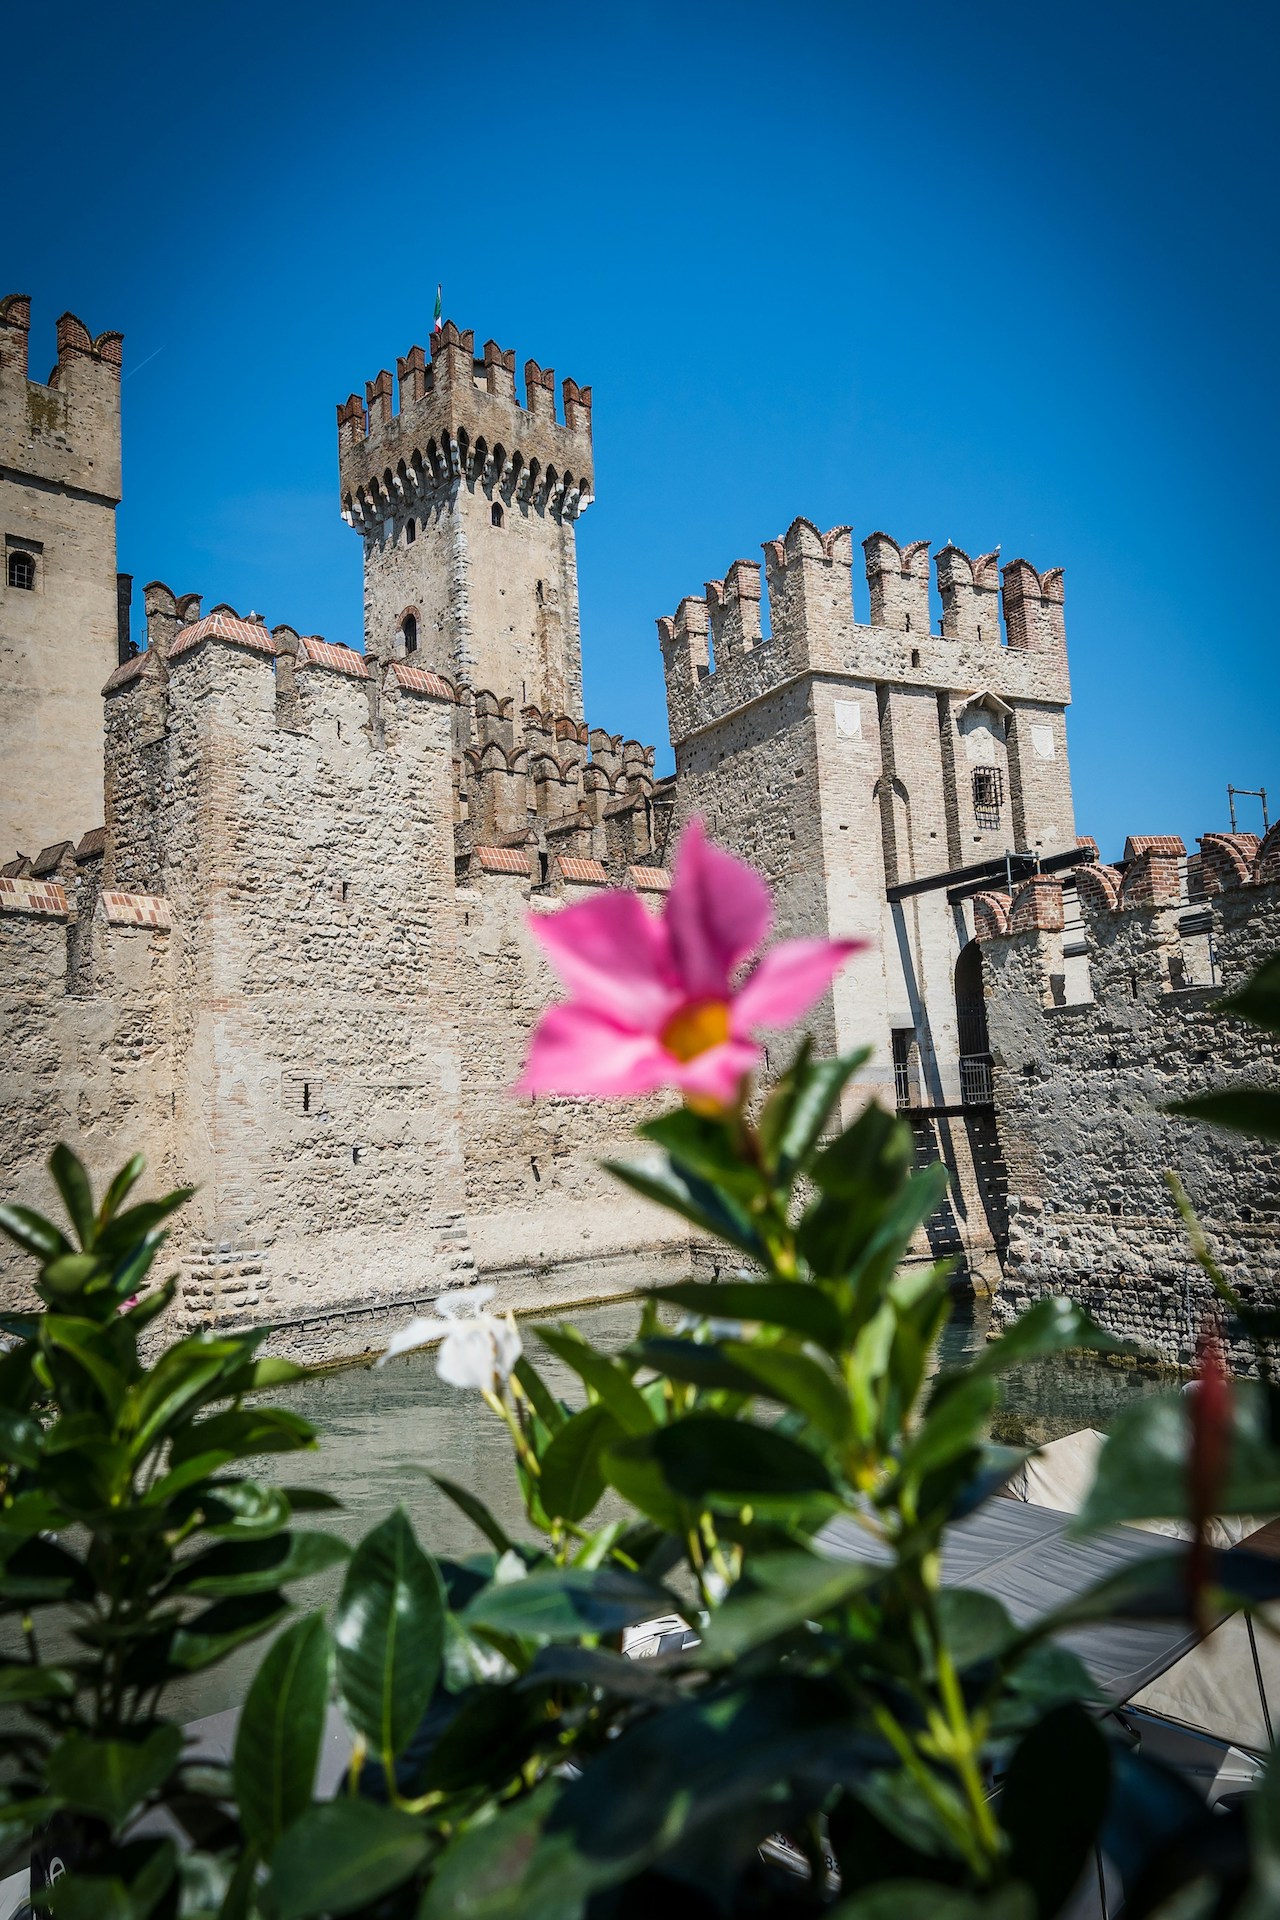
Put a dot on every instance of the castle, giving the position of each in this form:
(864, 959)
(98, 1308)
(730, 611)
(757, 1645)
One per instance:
(266, 919)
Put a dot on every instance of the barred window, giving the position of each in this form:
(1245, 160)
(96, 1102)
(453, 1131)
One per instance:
(410, 631)
(988, 795)
(903, 1041)
(22, 570)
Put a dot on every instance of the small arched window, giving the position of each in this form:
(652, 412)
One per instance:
(22, 571)
(410, 532)
(410, 632)
(495, 514)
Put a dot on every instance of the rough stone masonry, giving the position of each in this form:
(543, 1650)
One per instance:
(266, 917)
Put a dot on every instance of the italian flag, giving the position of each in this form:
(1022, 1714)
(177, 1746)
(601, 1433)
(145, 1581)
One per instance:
(437, 323)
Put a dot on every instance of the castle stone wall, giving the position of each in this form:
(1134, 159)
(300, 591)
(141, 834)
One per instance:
(840, 758)
(466, 502)
(1080, 1093)
(86, 1012)
(59, 486)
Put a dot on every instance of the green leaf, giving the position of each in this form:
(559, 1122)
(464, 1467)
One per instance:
(1245, 1109)
(389, 1629)
(501, 1866)
(91, 1896)
(72, 1182)
(70, 1274)
(1052, 1804)
(874, 1269)
(476, 1511)
(800, 1105)
(280, 1730)
(696, 1363)
(343, 1855)
(567, 1603)
(800, 1307)
(799, 1380)
(20, 1438)
(928, 1900)
(976, 1626)
(1143, 1471)
(693, 1199)
(33, 1232)
(609, 1380)
(488, 1740)
(857, 1176)
(43, 1570)
(631, 1469)
(778, 1593)
(704, 1454)
(870, 1159)
(1258, 1000)
(544, 1403)
(952, 1427)
(242, 1432)
(243, 1509)
(258, 1566)
(123, 1184)
(594, 1667)
(572, 1481)
(110, 1777)
(225, 1625)
(705, 1147)
(35, 1683)
(128, 1230)
(90, 1347)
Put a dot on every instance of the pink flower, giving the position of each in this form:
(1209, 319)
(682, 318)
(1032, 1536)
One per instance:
(656, 1003)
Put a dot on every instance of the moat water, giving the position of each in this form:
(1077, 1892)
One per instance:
(383, 1429)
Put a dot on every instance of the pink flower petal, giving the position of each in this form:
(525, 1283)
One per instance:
(612, 955)
(718, 912)
(718, 1073)
(787, 981)
(580, 1050)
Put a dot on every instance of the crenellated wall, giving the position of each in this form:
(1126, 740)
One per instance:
(293, 970)
(1081, 1080)
(466, 503)
(845, 757)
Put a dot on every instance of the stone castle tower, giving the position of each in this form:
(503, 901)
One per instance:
(466, 502)
(850, 759)
(61, 604)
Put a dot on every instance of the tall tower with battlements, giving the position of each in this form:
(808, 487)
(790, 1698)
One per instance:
(868, 762)
(59, 595)
(466, 502)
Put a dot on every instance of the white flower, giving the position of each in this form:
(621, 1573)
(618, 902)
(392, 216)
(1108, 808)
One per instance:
(477, 1349)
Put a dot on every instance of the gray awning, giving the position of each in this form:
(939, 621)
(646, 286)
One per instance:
(1023, 1556)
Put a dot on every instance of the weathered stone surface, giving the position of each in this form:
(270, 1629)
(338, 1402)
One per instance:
(59, 600)
(1081, 1091)
(844, 758)
(294, 964)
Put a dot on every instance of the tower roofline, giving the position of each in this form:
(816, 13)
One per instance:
(457, 415)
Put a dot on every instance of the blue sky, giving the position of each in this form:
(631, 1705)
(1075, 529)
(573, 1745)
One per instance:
(990, 273)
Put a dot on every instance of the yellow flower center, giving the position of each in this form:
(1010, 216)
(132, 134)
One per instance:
(696, 1027)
